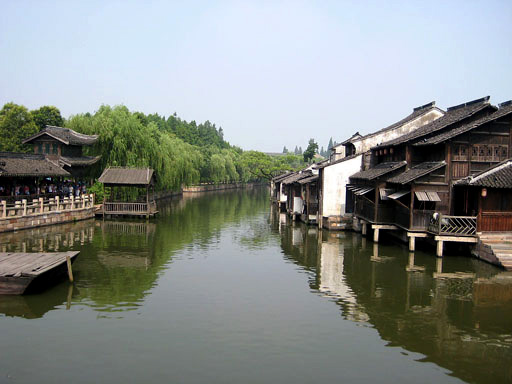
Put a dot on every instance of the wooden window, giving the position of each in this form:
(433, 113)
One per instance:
(460, 152)
(47, 148)
(503, 152)
(490, 153)
(55, 149)
(39, 148)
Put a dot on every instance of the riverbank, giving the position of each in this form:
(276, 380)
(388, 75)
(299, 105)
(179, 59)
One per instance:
(219, 187)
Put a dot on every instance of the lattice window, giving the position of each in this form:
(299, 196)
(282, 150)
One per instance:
(460, 152)
(503, 152)
(491, 153)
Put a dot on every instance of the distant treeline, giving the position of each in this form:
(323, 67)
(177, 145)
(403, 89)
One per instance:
(181, 152)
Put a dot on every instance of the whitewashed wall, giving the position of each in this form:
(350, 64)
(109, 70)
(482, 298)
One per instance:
(371, 140)
(335, 180)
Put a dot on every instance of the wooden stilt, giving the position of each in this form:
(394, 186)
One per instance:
(364, 228)
(376, 235)
(439, 248)
(412, 243)
(70, 271)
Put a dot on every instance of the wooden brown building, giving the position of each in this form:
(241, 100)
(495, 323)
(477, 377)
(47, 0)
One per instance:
(470, 138)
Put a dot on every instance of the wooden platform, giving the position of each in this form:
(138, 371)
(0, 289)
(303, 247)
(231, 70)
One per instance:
(18, 271)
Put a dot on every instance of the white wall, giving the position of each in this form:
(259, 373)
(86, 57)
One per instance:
(335, 180)
(371, 140)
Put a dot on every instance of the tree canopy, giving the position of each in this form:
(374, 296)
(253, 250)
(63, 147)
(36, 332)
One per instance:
(16, 124)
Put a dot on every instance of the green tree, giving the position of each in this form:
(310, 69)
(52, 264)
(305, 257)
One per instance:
(16, 124)
(296, 151)
(285, 150)
(310, 151)
(47, 115)
(330, 144)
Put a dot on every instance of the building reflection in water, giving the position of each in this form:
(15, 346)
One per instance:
(454, 311)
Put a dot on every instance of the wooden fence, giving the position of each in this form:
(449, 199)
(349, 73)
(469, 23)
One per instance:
(128, 208)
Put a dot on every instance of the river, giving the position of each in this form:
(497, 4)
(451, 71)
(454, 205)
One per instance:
(220, 288)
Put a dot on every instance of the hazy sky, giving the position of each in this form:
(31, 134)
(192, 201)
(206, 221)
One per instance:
(271, 73)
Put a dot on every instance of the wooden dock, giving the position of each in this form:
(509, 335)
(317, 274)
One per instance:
(20, 272)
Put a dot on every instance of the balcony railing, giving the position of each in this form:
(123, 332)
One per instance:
(128, 208)
(452, 225)
(365, 209)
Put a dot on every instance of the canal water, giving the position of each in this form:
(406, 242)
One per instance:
(219, 288)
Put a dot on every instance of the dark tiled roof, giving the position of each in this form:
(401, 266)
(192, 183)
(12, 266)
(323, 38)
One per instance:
(436, 139)
(379, 170)
(416, 172)
(79, 161)
(280, 177)
(308, 179)
(355, 136)
(327, 164)
(297, 176)
(64, 135)
(126, 176)
(499, 176)
(453, 115)
(28, 164)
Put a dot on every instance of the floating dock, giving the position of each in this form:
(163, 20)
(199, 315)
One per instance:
(20, 272)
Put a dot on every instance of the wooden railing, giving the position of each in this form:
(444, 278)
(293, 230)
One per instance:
(41, 206)
(365, 209)
(452, 225)
(421, 219)
(402, 216)
(137, 208)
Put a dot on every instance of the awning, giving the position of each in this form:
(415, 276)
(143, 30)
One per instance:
(427, 196)
(384, 193)
(363, 191)
(398, 194)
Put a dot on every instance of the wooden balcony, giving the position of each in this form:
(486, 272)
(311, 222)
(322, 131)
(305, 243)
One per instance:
(445, 225)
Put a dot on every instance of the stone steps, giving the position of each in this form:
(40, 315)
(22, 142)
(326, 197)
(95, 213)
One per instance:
(501, 245)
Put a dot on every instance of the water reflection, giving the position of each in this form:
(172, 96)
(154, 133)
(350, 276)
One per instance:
(120, 261)
(454, 311)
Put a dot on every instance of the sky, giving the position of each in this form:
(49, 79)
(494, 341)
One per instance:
(270, 73)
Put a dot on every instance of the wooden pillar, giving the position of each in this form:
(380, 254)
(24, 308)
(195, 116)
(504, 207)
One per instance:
(57, 203)
(439, 266)
(411, 207)
(24, 203)
(439, 248)
(411, 243)
(41, 205)
(364, 228)
(376, 235)
(411, 258)
(4, 208)
(320, 199)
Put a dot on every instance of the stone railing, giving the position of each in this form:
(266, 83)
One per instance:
(41, 206)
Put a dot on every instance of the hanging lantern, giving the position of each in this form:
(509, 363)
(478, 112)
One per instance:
(484, 192)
